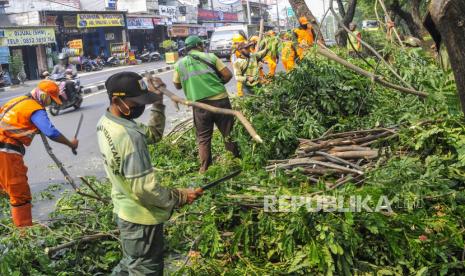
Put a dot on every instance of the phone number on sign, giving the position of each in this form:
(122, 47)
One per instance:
(30, 40)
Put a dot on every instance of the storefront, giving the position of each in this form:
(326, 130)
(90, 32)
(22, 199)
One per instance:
(145, 31)
(29, 45)
(182, 31)
(100, 32)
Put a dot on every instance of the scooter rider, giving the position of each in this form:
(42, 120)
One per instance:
(61, 68)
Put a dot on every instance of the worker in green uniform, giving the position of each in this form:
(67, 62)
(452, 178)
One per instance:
(141, 204)
(246, 67)
(354, 42)
(202, 77)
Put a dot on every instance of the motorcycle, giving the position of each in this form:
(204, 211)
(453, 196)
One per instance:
(147, 56)
(87, 65)
(75, 101)
(113, 61)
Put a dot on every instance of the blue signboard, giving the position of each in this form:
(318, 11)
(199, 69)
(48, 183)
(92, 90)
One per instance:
(4, 55)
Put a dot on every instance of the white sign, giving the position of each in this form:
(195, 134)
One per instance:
(132, 6)
(168, 11)
(109, 36)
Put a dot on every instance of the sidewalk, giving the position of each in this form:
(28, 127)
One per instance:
(33, 83)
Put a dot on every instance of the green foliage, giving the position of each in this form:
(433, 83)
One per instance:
(229, 229)
(16, 65)
(168, 45)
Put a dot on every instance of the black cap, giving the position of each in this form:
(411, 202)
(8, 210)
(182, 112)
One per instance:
(130, 85)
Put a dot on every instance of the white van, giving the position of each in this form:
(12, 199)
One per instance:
(221, 39)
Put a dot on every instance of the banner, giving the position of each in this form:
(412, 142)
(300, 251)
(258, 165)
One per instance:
(139, 23)
(69, 21)
(75, 44)
(28, 36)
(210, 15)
(99, 20)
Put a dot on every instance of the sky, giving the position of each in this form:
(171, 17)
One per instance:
(316, 6)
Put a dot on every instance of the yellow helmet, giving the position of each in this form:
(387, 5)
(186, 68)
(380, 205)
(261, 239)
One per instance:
(303, 20)
(254, 38)
(237, 38)
(270, 33)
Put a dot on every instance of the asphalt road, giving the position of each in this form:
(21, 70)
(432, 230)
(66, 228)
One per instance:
(43, 172)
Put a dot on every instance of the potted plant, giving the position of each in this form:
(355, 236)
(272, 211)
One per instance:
(16, 66)
(171, 55)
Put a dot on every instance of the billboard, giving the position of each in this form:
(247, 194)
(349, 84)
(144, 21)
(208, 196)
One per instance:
(211, 15)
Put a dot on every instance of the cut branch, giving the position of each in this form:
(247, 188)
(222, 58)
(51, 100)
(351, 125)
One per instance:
(248, 126)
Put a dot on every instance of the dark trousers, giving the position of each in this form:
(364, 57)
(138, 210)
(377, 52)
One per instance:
(204, 122)
(142, 249)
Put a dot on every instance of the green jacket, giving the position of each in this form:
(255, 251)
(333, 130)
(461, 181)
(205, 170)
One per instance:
(198, 80)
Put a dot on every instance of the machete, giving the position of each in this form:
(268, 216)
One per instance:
(218, 181)
(78, 129)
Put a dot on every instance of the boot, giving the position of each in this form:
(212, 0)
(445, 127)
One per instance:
(22, 215)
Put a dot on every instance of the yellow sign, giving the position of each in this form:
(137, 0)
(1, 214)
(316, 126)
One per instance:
(99, 20)
(27, 36)
(75, 44)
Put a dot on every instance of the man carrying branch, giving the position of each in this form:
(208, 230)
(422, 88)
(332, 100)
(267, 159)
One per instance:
(202, 77)
(140, 203)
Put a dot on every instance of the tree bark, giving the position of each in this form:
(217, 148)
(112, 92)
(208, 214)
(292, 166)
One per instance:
(446, 23)
(300, 8)
(347, 17)
(417, 16)
(414, 29)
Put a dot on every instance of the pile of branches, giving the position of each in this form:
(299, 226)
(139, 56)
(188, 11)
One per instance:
(344, 156)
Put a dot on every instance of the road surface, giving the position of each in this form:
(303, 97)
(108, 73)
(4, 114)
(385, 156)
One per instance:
(43, 172)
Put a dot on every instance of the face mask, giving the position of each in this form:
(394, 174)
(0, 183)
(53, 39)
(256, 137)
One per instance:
(137, 111)
(134, 112)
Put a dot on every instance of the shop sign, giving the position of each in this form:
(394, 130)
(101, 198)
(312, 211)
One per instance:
(50, 20)
(200, 31)
(168, 11)
(110, 4)
(94, 20)
(4, 55)
(211, 15)
(75, 44)
(109, 36)
(69, 21)
(28, 36)
(157, 21)
(136, 23)
(179, 31)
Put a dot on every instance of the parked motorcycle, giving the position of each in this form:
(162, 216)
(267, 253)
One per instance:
(147, 56)
(113, 61)
(74, 101)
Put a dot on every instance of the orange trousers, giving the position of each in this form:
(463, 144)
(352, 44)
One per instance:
(13, 181)
(271, 65)
(288, 64)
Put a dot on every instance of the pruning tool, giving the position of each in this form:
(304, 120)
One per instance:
(221, 180)
(81, 118)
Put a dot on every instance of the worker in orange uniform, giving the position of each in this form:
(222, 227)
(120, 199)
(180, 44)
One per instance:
(288, 53)
(273, 51)
(20, 119)
(253, 40)
(305, 37)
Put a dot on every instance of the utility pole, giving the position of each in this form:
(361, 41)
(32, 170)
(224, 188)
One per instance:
(260, 8)
(277, 14)
(248, 12)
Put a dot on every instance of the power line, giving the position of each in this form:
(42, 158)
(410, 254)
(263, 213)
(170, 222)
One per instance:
(66, 5)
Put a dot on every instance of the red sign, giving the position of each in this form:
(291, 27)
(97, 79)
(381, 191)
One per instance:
(210, 15)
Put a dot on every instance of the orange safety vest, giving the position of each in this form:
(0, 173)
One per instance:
(15, 121)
